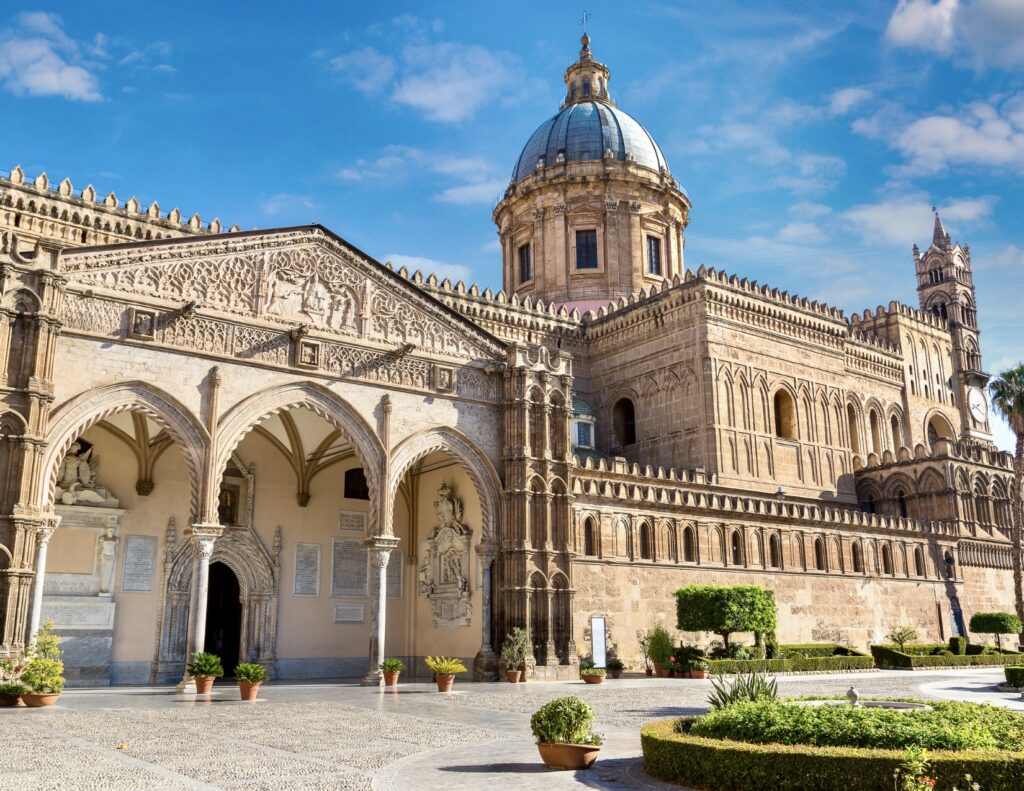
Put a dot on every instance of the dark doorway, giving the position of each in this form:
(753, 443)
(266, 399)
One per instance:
(224, 617)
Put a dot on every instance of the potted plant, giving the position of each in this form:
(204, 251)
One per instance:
(11, 692)
(204, 669)
(697, 668)
(513, 654)
(674, 669)
(43, 673)
(444, 669)
(645, 649)
(659, 647)
(615, 667)
(564, 731)
(391, 667)
(591, 674)
(249, 676)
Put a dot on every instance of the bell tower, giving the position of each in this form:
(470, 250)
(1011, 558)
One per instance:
(945, 288)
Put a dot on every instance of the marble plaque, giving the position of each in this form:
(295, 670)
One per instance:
(348, 613)
(70, 584)
(307, 570)
(352, 521)
(393, 577)
(79, 612)
(350, 567)
(139, 564)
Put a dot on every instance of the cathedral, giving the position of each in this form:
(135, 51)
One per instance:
(268, 445)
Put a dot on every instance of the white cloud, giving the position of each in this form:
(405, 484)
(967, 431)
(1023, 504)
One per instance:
(165, 68)
(38, 59)
(809, 211)
(845, 99)
(923, 24)
(904, 220)
(368, 70)
(994, 30)
(427, 266)
(1010, 258)
(284, 201)
(484, 192)
(802, 233)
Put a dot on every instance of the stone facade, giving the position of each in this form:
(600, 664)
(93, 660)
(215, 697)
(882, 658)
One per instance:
(316, 461)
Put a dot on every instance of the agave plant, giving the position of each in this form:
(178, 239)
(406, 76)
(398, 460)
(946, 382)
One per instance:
(743, 688)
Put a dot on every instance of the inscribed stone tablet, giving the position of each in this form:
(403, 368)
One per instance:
(307, 570)
(394, 574)
(139, 564)
(350, 568)
(348, 613)
(354, 521)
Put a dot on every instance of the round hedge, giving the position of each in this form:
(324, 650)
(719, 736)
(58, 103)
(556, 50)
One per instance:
(724, 765)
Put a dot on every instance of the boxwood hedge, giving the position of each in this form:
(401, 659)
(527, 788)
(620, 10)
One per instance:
(889, 658)
(721, 765)
(1015, 676)
(799, 658)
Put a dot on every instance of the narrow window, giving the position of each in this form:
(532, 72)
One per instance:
(586, 249)
(858, 559)
(588, 539)
(525, 264)
(689, 553)
(737, 553)
(645, 542)
(624, 421)
(356, 487)
(785, 415)
(886, 560)
(586, 86)
(584, 435)
(918, 562)
(653, 255)
(775, 552)
(819, 555)
(876, 432)
(901, 500)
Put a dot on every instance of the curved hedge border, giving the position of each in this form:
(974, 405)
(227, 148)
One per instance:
(890, 658)
(721, 765)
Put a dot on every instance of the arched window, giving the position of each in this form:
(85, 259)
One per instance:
(918, 562)
(897, 442)
(876, 431)
(886, 560)
(645, 542)
(736, 553)
(819, 555)
(629, 543)
(858, 558)
(869, 504)
(939, 428)
(589, 548)
(624, 422)
(775, 552)
(851, 419)
(901, 503)
(947, 557)
(785, 415)
(689, 548)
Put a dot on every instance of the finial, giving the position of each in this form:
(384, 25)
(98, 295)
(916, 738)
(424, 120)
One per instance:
(584, 39)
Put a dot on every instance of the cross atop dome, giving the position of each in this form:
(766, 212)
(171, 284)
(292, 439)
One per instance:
(586, 80)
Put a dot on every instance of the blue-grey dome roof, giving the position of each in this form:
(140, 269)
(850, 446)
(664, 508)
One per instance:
(584, 131)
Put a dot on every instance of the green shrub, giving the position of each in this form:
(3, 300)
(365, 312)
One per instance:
(741, 689)
(590, 669)
(948, 726)
(392, 665)
(719, 765)
(250, 671)
(1014, 676)
(515, 648)
(205, 665)
(958, 645)
(13, 690)
(901, 635)
(795, 664)
(444, 666)
(44, 671)
(725, 609)
(565, 720)
(614, 663)
(889, 658)
(659, 644)
(997, 623)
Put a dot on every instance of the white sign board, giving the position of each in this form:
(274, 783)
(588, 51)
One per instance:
(598, 638)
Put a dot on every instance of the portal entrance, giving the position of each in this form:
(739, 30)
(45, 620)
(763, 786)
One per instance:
(224, 617)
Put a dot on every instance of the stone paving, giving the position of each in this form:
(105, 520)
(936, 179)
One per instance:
(342, 736)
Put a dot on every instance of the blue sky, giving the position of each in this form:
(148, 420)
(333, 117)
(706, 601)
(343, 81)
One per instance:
(813, 138)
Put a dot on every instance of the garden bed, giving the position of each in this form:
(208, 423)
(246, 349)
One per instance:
(810, 658)
(891, 658)
(855, 749)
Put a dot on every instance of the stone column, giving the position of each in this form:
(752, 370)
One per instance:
(485, 663)
(380, 551)
(43, 534)
(202, 537)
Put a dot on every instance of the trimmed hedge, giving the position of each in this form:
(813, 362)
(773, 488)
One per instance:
(958, 645)
(1014, 676)
(794, 665)
(891, 659)
(721, 765)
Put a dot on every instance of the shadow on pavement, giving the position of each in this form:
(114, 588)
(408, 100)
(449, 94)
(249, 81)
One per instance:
(523, 768)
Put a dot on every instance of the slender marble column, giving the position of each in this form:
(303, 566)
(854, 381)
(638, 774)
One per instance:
(485, 663)
(380, 551)
(43, 534)
(202, 538)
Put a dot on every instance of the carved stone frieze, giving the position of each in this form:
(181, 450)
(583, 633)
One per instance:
(444, 572)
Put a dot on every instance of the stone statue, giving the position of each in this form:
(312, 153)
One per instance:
(444, 573)
(108, 555)
(853, 696)
(76, 480)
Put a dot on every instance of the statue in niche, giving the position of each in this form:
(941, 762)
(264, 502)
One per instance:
(108, 556)
(76, 480)
(444, 572)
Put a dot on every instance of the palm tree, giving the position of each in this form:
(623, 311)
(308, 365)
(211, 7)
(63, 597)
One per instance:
(1008, 399)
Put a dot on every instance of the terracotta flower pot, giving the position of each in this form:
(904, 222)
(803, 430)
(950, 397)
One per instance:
(10, 700)
(512, 676)
(593, 679)
(648, 672)
(391, 678)
(568, 756)
(659, 668)
(698, 673)
(203, 684)
(248, 689)
(38, 700)
(615, 673)
(444, 683)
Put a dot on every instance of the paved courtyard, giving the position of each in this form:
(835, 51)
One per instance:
(342, 736)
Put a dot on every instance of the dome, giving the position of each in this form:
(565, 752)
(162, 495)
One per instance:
(585, 131)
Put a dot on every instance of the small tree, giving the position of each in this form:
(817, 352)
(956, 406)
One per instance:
(901, 635)
(997, 623)
(725, 609)
(659, 644)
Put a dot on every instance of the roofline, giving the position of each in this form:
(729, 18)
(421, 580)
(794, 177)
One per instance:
(205, 238)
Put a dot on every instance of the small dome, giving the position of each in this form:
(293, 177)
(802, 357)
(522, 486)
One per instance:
(584, 131)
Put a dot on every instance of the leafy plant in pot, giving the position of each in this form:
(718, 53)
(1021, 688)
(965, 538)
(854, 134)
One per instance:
(659, 646)
(444, 669)
(697, 668)
(11, 692)
(204, 668)
(43, 673)
(513, 654)
(591, 674)
(565, 735)
(391, 668)
(615, 667)
(11, 688)
(250, 676)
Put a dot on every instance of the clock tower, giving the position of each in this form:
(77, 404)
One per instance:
(945, 287)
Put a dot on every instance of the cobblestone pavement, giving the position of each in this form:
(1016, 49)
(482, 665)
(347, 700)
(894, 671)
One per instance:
(342, 736)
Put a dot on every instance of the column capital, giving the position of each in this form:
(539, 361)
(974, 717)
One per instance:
(380, 548)
(203, 537)
(487, 552)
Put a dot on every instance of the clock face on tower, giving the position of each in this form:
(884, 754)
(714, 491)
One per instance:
(977, 405)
